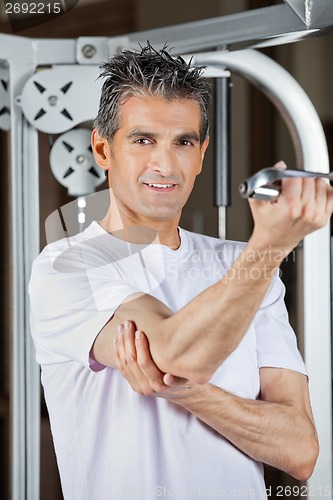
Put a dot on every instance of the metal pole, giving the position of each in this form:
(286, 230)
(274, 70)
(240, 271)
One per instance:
(31, 249)
(222, 166)
(25, 245)
(23, 56)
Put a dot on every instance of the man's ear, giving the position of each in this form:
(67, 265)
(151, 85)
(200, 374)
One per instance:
(204, 146)
(101, 150)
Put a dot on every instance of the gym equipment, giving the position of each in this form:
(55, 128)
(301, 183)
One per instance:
(266, 184)
(23, 61)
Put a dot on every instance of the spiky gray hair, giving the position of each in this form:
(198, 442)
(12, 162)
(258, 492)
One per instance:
(149, 72)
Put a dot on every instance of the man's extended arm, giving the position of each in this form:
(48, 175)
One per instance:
(193, 342)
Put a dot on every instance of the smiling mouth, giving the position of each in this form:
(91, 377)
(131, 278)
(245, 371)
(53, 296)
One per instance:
(160, 187)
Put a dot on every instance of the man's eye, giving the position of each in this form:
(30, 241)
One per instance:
(185, 142)
(142, 141)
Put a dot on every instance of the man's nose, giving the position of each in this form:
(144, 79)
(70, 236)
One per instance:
(162, 160)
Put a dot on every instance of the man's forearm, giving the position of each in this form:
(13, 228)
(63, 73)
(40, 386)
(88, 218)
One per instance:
(202, 334)
(277, 434)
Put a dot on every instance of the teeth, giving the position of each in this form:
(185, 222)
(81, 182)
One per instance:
(160, 185)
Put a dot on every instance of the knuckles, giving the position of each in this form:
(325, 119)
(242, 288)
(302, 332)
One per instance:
(157, 386)
(146, 391)
(314, 217)
(151, 389)
(295, 211)
(131, 359)
(311, 214)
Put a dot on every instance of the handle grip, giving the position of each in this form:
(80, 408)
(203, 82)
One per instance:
(266, 184)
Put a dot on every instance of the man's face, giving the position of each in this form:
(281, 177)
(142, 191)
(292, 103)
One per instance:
(154, 157)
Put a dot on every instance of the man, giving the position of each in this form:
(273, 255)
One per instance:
(197, 326)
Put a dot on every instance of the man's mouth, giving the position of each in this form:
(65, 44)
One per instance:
(156, 186)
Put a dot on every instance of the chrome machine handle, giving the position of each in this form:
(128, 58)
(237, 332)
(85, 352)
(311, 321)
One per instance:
(266, 184)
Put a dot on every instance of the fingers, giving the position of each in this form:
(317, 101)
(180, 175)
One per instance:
(280, 165)
(134, 361)
(129, 350)
(123, 362)
(329, 202)
(309, 199)
(309, 188)
(323, 194)
(146, 364)
(315, 197)
(291, 191)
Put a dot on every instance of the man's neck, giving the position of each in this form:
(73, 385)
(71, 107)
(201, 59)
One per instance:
(142, 232)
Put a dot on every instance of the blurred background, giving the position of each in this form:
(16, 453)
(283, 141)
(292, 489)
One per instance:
(259, 139)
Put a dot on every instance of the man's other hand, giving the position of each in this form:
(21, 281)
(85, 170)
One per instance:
(134, 361)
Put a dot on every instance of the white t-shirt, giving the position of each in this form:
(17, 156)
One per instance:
(112, 443)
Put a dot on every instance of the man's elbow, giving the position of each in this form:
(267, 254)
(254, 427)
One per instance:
(185, 368)
(181, 359)
(198, 377)
(304, 466)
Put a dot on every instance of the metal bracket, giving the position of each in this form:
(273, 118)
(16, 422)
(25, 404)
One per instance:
(263, 27)
(4, 98)
(310, 11)
(91, 50)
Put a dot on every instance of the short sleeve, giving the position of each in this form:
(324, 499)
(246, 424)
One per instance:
(275, 339)
(69, 307)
